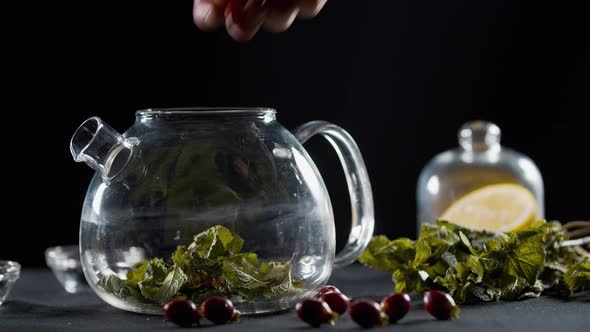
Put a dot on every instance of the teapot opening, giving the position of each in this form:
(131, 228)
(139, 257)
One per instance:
(267, 114)
(83, 137)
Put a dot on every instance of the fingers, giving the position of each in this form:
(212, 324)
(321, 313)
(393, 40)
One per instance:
(280, 18)
(283, 12)
(243, 18)
(209, 14)
(310, 8)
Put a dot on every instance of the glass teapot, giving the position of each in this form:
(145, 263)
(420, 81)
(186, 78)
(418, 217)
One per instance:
(189, 203)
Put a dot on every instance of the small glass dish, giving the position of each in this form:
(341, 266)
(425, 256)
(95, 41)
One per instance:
(64, 262)
(9, 273)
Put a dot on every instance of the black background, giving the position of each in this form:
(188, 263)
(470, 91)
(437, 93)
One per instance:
(400, 76)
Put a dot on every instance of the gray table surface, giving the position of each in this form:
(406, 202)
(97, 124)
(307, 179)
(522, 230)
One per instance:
(38, 303)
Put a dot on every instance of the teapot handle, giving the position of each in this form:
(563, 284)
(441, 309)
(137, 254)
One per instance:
(359, 187)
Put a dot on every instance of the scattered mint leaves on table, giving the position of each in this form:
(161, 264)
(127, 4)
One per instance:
(478, 265)
(211, 265)
(577, 277)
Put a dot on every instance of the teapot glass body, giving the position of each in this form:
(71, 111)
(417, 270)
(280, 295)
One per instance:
(179, 172)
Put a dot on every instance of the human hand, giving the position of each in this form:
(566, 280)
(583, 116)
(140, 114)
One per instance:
(243, 18)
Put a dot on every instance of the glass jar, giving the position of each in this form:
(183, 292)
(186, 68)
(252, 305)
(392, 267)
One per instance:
(479, 161)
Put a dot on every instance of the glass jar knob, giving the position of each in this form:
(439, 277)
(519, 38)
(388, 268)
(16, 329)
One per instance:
(479, 136)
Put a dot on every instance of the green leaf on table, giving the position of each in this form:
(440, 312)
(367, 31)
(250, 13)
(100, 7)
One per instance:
(467, 243)
(423, 252)
(577, 276)
(449, 259)
(442, 230)
(476, 268)
(478, 265)
(527, 257)
(408, 280)
(386, 255)
(557, 258)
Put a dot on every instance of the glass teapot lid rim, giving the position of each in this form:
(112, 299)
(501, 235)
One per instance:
(206, 111)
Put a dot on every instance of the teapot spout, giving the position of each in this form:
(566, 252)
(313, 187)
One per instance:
(101, 147)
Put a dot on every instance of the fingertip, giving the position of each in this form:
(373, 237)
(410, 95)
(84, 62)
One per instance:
(238, 33)
(201, 11)
(243, 19)
(310, 8)
(279, 21)
(220, 3)
(206, 15)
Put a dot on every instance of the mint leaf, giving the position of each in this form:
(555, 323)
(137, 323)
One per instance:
(278, 275)
(557, 258)
(113, 285)
(449, 259)
(441, 230)
(577, 276)
(423, 252)
(242, 277)
(204, 242)
(467, 243)
(527, 258)
(248, 278)
(476, 268)
(386, 255)
(235, 245)
(156, 270)
(477, 265)
(173, 282)
(180, 258)
(211, 265)
(136, 275)
(215, 242)
(408, 280)
(156, 274)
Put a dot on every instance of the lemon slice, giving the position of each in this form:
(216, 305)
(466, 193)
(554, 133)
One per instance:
(495, 208)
